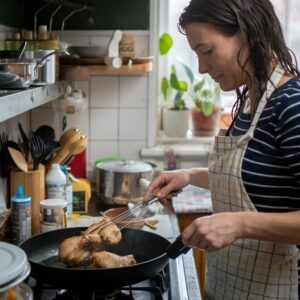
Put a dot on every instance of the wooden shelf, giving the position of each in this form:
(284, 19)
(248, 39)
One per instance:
(20, 101)
(80, 73)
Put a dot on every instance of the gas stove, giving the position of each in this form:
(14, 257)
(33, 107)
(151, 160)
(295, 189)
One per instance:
(167, 284)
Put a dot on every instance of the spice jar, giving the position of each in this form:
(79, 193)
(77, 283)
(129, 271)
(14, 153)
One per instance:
(14, 270)
(53, 214)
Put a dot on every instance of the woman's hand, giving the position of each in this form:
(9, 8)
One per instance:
(213, 232)
(166, 182)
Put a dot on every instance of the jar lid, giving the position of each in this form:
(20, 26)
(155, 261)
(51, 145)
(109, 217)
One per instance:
(125, 166)
(53, 203)
(13, 262)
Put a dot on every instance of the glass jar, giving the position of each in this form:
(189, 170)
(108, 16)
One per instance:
(53, 214)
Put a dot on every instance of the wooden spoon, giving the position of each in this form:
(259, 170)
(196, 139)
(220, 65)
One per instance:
(69, 149)
(69, 136)
(18, 159)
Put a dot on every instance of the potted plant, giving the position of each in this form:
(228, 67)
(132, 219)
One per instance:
(205, 96)
(175, 112)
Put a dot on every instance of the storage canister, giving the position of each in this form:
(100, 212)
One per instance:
(14, 270)
(21, 216)
(53, 214)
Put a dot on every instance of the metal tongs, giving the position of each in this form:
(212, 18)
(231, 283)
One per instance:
(137, 209)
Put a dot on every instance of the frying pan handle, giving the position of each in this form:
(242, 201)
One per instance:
(177, 248)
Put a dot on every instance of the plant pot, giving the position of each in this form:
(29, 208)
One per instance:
(175, 122)
(202, 125)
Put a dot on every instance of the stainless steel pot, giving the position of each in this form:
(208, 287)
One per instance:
(46, 65)
(119, 182)
(46, 72)
(24, 68)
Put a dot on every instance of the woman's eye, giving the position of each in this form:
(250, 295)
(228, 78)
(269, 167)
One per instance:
(208, 52)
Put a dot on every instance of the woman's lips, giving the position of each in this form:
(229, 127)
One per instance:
(217, 77)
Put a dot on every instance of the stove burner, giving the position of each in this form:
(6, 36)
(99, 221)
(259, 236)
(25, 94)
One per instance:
(72, 295)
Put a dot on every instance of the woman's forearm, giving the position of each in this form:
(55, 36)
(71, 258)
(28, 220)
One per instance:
(275, 227)
(198, 177)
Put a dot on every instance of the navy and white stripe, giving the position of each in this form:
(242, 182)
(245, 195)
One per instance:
(271, 166)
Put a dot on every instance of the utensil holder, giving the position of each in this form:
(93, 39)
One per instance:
(33, 183)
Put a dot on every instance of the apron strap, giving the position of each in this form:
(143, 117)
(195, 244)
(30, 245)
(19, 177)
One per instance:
(271, 86)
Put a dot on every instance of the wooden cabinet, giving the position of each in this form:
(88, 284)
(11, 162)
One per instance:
(184, 220)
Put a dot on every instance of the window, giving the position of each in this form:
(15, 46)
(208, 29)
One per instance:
(288, 12)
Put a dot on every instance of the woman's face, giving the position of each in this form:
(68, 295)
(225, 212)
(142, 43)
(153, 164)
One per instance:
(217, 54)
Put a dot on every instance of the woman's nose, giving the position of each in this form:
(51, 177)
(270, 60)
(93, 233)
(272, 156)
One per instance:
(203, 67)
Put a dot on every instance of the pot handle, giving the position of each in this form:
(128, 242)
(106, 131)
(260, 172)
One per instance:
(41, 62)
(177, 248)
(144, 183)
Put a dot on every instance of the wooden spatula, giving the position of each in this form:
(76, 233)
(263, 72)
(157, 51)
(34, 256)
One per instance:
(18, 159)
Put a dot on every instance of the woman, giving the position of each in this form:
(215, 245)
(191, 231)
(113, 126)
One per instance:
(254, 169)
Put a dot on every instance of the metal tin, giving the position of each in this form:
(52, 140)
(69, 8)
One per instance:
(53, 214)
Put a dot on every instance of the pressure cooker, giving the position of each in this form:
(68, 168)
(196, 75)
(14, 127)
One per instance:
(122, 181)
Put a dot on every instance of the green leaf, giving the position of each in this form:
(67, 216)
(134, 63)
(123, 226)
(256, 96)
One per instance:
(178, 85)
(165, 43)
(207, 108)
(179, 103)
(166, 88)
(199, 85)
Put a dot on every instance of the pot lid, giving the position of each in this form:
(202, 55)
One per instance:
(125, 166)
(13, 262)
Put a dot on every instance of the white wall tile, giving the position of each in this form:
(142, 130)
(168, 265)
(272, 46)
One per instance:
(104, 91)
(101, 149)
(133, 91)
(133, 124)
(103, 124)
(131, 150)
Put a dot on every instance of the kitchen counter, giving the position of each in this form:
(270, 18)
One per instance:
(183, 272)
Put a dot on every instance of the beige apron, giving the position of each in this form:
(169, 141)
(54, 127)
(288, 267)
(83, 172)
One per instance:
(247, 269)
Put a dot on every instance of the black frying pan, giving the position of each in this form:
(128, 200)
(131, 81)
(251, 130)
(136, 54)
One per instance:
(149, 249)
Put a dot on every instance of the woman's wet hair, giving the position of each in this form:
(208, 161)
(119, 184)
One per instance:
(262, 32)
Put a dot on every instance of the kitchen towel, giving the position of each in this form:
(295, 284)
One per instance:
(192, 200)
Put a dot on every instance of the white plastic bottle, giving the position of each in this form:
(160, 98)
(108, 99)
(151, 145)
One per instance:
(56, 183)
(69, 190)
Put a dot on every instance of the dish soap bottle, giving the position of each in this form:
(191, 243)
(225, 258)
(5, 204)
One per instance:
(56, 183)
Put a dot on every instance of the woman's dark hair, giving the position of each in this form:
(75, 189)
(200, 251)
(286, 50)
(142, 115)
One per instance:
(257, 21)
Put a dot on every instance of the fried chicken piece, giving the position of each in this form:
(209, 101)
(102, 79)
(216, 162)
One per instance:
(111, 234)
(74, 250)
(77, 249)
(106, 259)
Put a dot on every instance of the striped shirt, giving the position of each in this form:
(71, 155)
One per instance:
(271, 165)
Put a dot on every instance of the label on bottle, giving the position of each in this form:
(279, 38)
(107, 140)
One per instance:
(56, 191)
(21, 221)
(79, 199)
(69, 198)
